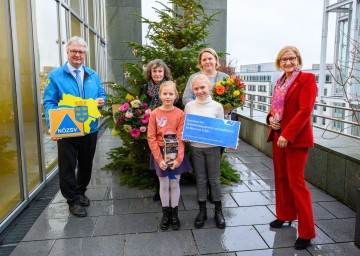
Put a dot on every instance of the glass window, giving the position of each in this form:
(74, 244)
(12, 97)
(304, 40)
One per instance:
(9, 172)
(49, 59)
(91, 56)
(29, 105)
(75, 26)
(91, 13)
(76, 6)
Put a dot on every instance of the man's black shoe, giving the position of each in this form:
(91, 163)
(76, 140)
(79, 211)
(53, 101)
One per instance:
(77, 210)
(84, 201)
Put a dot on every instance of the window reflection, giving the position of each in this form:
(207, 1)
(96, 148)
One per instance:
(48, 52)
(9, 172)
(75, 26)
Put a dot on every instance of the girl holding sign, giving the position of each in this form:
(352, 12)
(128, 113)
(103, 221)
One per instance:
(164, 120)
(206, 158)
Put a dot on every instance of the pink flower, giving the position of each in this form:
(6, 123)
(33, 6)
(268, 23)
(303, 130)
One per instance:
(144, 106)
(143, 129)
(135, 132)
(148, 111)
(145, 120)
(129, 114)
(121, 119)
(124, 107)
(137, 112)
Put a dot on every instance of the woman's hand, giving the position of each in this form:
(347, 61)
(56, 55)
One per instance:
(163, 165)
(282, 142)
(274, 125)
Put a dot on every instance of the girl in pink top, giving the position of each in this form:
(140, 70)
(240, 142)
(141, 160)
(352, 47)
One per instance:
(168, 119)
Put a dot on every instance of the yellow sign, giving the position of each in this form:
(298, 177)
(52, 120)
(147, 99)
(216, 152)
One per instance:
(63, 123)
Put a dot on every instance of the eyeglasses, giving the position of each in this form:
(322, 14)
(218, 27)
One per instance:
(74, 52)
(291, 59)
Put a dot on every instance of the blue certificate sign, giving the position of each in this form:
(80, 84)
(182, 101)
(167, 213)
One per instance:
(211, 131)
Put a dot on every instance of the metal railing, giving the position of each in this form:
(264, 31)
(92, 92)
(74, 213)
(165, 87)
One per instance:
(251, 105)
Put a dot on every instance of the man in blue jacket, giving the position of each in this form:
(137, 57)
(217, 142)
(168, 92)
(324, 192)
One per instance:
(75, 79)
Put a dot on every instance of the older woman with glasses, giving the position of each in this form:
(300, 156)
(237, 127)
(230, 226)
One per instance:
(291, 133)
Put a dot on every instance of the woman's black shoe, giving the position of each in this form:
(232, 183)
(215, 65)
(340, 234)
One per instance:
(278, 223)
(301, 243)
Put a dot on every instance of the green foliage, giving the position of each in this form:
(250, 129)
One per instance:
(227, 173)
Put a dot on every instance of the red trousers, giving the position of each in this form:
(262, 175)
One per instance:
(293, 199)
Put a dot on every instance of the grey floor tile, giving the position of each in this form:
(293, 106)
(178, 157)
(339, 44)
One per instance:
(102, 182)
(343, 249)
(286, 236)
(255, 159)
(191, 203)
(96, 193)
(339, 209)
(254, 198)
(260, 185)
(235, 188)
(265, 174)
(319, 196)
(144, 205)
(108, 207)
(61, 228)
(230, 239)
(161, 243)
(250, 167)
(247, 215)
(90, 246)
(276, 252)
(56, 211)
(228, 201)
(126, 224)
(248, 175)
(188, 190)
(340, 230)
(33, 248)
(123, 192)
(102, 173)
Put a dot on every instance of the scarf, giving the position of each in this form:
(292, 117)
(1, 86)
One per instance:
(153, 92)
(280, 90)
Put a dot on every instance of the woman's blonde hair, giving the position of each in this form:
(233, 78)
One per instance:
(201, 78)
(212, 52)
(169, 84)
(283, 51)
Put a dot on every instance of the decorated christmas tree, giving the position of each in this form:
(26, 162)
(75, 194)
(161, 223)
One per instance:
(176, 38)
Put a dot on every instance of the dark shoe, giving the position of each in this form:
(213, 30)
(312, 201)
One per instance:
(84, 200)
(202, 215)
(219, 217)
(301, 244)
(165, 221)
(77, 210)
(175, 222)
(278, 223)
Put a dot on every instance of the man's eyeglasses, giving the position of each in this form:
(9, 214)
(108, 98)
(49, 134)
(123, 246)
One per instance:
(291, 59)
(74, 52)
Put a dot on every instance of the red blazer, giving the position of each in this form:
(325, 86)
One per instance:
(299, 103)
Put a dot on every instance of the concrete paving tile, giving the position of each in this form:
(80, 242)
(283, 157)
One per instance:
(234, 160)
(343, 249)
(90, 246)
(230, 239)
(143, 205)
(33, 248)
(247, 215)
(339, 209)
(61, 228)
(260, 185)
(272, 252)
(102, 182)
(319, 196)
(228, 201)
(286, 236)
(235, 188)
(248, 175)
(126, 224)
(191, 203)
(108, 207)
(265, 174)
(254, 198)
(102, 173)
(123, 192)
(255, 159)
(188, 189)
(340, 230)
(58, 198)
(161, 243)
(56, 211)
(96, 193)
(250, 167)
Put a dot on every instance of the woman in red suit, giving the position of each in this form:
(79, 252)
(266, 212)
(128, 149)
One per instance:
(291, 133)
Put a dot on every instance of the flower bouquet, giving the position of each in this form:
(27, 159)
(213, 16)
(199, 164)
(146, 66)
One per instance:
(132, 118)
(230, 93)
